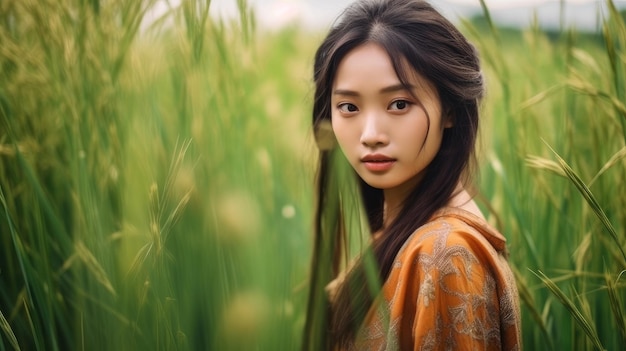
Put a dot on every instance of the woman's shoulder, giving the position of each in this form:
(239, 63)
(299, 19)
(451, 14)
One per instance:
(455, 227)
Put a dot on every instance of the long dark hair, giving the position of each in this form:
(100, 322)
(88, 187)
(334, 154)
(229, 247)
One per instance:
(410, 31)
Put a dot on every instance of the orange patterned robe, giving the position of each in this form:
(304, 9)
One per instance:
(450, 288)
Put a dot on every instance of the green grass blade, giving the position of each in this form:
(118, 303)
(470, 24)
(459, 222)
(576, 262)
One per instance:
(6, 328)
(582, 322)
(591, 201)
(19, 250)
(615, 159)
(614, 31)
(487, 15)
(616, 304)
(316, 315)
(527, 298)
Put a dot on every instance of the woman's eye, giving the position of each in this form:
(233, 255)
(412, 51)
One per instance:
(346, 107)
(399, 105)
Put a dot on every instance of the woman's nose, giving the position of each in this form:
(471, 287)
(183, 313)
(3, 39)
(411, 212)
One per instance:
(373, 133)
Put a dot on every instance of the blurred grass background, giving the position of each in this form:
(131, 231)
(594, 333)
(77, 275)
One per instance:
(156, 181)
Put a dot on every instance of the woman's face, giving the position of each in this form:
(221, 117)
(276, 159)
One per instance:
(388, 134)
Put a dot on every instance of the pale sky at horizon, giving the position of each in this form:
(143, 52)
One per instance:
(318, 14)
(228, 5)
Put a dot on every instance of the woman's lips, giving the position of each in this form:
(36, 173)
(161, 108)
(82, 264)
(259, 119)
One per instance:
(378, 162)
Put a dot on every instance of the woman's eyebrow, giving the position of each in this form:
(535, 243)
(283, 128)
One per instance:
(390, 89)
(345, 92)
(397, 87)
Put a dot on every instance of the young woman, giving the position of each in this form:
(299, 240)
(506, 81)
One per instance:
(398, 88)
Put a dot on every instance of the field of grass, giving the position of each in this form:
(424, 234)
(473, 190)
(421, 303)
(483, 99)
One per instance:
(156, 181)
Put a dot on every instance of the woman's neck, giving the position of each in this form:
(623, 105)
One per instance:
(460, 198)
(392, 206)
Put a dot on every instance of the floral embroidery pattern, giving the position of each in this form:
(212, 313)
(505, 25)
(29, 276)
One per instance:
(427, 290)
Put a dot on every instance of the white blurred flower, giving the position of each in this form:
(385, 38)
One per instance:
(246, 315)
(289, 211)
(239, 213)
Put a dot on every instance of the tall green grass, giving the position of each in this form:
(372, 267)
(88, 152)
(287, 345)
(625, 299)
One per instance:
(155, 178)
(153, 181)
(554, 175)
